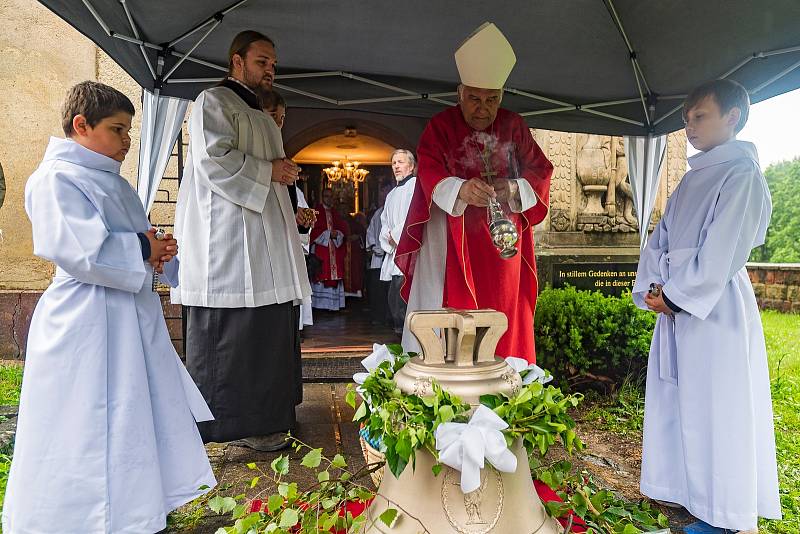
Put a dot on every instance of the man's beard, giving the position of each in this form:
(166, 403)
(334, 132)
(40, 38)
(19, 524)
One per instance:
(254, 81)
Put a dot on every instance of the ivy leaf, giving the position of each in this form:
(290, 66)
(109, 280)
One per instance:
(289, 518)
(446, 413)
(274, 503)
(389, 517)
(280, 465)
(312, 459)
(437, 468)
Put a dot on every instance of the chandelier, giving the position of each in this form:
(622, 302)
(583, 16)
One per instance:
(345, 172)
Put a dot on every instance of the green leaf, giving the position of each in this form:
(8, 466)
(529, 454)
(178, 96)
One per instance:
(312, 459)
(323, 476)
(251, 466)
(274, 503)
(360, 412)
(228, 504)
(280, 465)
(254, 482)
(339, 462)
(239, 510)
(389, 517)
(289, 518)
(437, 468)
(215, 503)
(350, 396)
(446, 413)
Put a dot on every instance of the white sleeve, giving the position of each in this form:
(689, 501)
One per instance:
(386, 226)
(524, 198)
(69, 231)
(228, 172)
(445, 195)
(170, 274)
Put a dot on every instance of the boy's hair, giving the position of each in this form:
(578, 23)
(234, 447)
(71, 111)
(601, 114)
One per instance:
(271, 100)
(95, 101)
(728, 94)
(241, 44)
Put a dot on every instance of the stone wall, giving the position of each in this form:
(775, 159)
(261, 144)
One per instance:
(42, 56)
(777, 285)
(16, 310)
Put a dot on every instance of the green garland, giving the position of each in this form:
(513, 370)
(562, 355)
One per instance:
(407, 423)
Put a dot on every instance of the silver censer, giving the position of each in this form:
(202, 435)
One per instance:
(503, 231)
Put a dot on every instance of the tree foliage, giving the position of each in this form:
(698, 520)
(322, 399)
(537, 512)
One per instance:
(783, 236)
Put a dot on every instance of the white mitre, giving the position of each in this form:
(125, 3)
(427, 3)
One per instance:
(485, 58)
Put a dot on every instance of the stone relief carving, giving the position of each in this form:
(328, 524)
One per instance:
(470, 515)
(561, 152)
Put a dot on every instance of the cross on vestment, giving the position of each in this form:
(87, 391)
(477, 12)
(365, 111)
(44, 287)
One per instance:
(488, 173)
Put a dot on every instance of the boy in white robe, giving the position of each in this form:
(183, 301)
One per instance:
(709, 443)
(106, 437)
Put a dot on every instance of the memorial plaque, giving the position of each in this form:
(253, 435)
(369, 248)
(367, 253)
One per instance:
(608, 278)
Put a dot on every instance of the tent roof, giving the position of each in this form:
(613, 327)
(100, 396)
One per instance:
(601, 66)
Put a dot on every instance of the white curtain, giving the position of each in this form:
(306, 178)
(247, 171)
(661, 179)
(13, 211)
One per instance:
(645, 161)
(162, 117)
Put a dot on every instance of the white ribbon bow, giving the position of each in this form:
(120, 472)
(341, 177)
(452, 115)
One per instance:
(380, 354)
(535, 373)
(464, 446)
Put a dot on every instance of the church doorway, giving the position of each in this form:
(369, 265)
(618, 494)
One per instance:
(353, 161)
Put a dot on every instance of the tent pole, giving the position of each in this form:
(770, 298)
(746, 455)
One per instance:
(217, 16)
(136, 34)
(97, 17)
(192, 49)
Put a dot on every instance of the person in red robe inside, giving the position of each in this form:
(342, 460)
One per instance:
(328, 238)
(469, 154)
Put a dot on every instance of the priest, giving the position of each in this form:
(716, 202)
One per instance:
(469, 155)
(242, 272)
(327, 243)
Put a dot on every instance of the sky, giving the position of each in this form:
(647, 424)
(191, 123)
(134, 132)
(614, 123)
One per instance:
(774, 127)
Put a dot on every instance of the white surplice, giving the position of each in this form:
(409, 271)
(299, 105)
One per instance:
(708, 434)
(393, 218)
(106, 437)
(239, 245)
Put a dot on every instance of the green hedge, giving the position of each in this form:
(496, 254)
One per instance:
(587, 337)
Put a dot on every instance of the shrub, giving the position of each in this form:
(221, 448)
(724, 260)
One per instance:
(587, 337)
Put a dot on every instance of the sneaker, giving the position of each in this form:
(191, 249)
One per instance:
(269, 443)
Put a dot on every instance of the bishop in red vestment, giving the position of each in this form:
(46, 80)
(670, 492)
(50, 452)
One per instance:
(468, 154)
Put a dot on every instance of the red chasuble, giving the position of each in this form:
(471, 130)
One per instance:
(475, 274)
(332, 258)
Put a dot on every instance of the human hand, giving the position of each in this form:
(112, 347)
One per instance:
(162, 249)
(306, 217)
(285, 171)
(505, 189)
(391, 240)
(655, 302)
(476, 192)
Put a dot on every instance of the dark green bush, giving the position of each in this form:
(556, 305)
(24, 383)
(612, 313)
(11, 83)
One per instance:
(585, 337)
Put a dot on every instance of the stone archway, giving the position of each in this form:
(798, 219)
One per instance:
(326, 128)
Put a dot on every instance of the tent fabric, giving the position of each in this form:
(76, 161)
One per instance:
(574, 58)
(162, 118)
(645, 163)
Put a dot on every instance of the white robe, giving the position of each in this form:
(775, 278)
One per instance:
(306, 312)
(708, 435)
(393, 219)
(373, 244)
(106, 439)
(239, 245)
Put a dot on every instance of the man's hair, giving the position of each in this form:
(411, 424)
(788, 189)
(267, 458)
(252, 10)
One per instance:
(95, 101)
(270, 100)
(728, 94)
(408, 153)
(241, 44)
